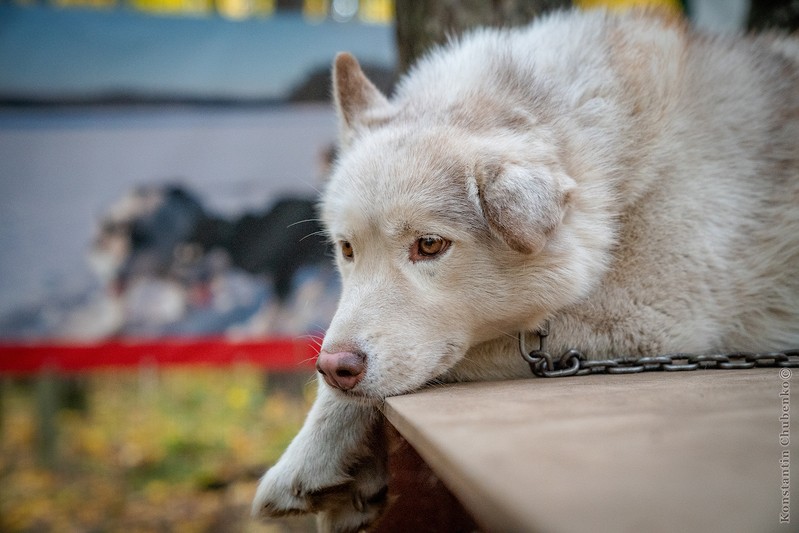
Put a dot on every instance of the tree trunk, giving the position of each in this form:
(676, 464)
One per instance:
(774, 14)
(421, 25)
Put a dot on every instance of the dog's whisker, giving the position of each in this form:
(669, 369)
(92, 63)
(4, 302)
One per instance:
(312, 185)
(313, 336)
(504, 333)
(314, 234)
(303, 221)
(314, 342)
(308, 360)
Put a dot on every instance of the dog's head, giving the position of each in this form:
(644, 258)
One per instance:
(449, 232)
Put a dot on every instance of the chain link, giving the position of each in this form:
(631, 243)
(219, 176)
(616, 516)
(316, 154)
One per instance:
(575, 363)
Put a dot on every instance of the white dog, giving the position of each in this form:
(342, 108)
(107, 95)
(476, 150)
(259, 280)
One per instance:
(630, 180)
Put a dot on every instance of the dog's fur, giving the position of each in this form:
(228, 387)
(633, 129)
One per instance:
(631, 180)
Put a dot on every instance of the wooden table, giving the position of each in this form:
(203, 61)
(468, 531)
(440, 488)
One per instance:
(690, 451)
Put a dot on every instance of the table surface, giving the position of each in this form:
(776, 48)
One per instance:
(688, 451)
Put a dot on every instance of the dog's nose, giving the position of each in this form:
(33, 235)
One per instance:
(342, 370)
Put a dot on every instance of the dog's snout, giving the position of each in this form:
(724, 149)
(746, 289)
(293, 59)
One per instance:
(342, 370)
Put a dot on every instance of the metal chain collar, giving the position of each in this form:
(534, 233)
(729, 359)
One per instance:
(575, 363)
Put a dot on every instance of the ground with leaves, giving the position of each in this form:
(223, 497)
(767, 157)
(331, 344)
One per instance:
(151, 451)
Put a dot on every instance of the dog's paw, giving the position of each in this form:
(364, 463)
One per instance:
(351, 502)
(288, 489)
(354, 515)
(358, 504)
(343, 503)
(278, 497)
(335, 466)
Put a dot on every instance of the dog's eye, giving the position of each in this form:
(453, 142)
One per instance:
(431, 245)
(346, 250)
(428, 247)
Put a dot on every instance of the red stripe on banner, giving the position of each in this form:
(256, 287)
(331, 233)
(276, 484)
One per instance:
(271, 354)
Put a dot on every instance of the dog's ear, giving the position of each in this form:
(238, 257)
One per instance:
(359, 104)
(523, 206)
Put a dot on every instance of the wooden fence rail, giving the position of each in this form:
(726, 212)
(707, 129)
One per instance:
(281, 354)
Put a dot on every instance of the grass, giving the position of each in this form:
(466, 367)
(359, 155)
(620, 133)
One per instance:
(155, 450)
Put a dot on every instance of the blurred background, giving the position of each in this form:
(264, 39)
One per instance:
(160, 160)
(163, 280)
